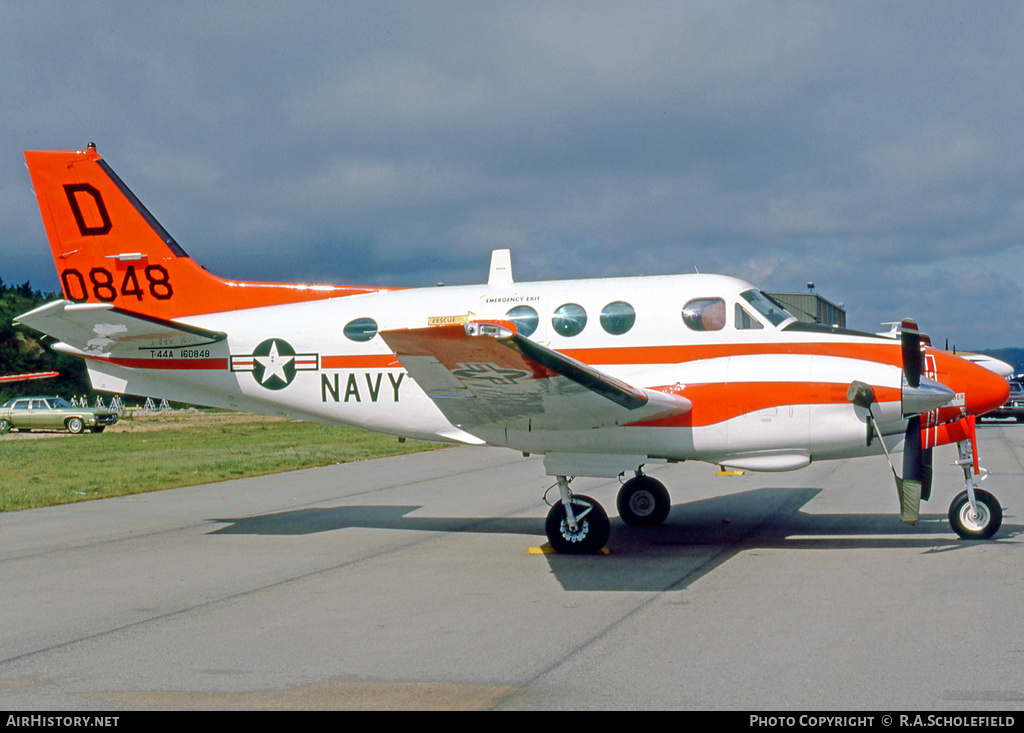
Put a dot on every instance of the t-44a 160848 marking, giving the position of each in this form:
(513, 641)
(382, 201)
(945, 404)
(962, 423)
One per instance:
(602, 377)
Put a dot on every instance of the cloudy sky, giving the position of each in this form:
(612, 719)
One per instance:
(874, 148)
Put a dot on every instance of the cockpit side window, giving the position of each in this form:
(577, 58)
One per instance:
(775, 314)
(705, 314)
(744, 320)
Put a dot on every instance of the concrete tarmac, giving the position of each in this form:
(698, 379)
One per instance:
(407, 583)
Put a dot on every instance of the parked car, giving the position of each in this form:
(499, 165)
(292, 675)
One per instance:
(52, 413)
(1014, 405)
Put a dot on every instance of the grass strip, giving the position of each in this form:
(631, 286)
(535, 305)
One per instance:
(60, 469)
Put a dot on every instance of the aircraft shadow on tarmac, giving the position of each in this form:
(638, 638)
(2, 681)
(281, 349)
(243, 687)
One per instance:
(696, 538)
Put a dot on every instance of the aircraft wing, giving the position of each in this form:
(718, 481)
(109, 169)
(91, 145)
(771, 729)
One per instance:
(100, 329)
(484, 375)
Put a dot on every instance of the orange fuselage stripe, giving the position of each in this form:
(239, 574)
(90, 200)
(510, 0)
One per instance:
(718, 402)
(883, 353)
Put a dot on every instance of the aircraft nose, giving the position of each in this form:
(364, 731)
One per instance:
(984, 390)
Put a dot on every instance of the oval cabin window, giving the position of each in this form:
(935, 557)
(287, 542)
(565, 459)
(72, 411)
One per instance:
(525, 318)
(618, 317)
(361, 329)
(569, 320)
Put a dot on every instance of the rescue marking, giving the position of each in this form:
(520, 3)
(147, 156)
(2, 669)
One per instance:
(447, 320)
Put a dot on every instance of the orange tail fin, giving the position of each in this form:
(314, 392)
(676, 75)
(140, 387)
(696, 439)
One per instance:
(109, 248)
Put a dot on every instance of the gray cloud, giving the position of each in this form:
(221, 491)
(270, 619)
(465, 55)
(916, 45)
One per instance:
(873, 148)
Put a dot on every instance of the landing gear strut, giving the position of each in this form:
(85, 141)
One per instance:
(576, 524)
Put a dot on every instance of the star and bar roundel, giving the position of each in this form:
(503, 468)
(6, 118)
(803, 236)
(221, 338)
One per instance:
(273, 363)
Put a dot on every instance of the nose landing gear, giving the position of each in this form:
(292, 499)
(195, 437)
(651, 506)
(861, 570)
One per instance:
(974, 514)
(978, 521)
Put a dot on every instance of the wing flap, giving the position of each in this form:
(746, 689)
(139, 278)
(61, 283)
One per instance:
(484, 375)
(100, 329)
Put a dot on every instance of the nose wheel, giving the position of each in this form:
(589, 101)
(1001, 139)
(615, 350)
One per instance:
(978, 522)
(974, 514)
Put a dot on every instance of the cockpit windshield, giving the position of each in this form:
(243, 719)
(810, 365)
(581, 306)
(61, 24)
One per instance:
(776, 314)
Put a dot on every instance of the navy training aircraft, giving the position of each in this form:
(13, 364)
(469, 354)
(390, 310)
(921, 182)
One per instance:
(602, 377)
(10, 378)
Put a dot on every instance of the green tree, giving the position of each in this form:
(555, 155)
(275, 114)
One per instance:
(24, 351)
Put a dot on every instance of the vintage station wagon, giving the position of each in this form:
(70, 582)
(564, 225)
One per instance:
(52, 413)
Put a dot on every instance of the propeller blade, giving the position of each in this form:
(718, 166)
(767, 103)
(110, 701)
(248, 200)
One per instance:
(911, 487)
(926, 474)
(913, 357)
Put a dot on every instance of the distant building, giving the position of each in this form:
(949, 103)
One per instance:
(810, 307)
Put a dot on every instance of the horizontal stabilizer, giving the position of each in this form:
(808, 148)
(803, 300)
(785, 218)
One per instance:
(484, 375)
(100, 329)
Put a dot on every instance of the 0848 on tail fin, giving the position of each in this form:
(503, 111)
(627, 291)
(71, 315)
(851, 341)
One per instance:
(109, 248)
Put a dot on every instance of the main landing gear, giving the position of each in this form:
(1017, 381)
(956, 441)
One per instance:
(643, 501)
(578, 525)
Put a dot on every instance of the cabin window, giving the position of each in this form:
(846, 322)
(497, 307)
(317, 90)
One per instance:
(617, 318)
(361, 329)
(705, 314)
(525, 318)
(569, 319)
(744, 320)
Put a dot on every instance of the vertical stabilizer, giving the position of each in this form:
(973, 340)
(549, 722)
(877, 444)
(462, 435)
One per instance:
(108, 248)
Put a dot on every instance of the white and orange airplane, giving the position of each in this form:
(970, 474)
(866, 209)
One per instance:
(602, 377)
(10, 378)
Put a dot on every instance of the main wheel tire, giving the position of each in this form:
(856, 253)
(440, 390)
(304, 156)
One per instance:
(971, 526)
(75, 425)
(643, 502)
(5, 426)
(592, 527)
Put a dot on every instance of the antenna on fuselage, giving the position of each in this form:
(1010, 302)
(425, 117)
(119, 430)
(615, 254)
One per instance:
(501, 267)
